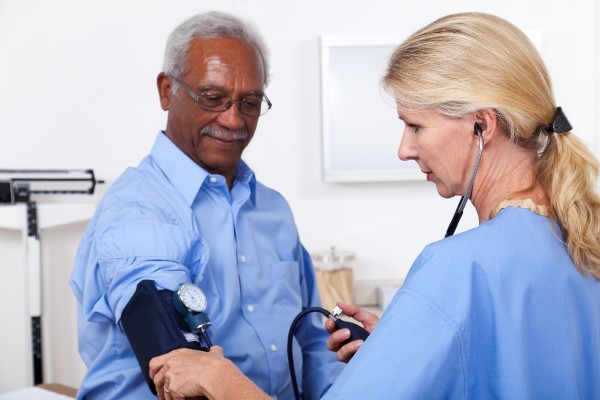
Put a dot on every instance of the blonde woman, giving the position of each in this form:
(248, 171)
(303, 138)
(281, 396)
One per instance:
(510, 309)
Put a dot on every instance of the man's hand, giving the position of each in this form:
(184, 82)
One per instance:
(185, 373)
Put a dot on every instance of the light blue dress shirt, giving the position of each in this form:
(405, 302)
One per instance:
(498, 312)
(170, 221)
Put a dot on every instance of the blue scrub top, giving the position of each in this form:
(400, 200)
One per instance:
(499, 312)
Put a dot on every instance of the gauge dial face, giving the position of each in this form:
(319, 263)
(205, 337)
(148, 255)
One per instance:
(192, 297)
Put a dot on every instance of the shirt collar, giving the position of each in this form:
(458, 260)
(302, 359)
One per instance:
(187, 176)
(245, 175)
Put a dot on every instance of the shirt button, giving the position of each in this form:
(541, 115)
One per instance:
(250, 308)
(213, 179)
(273, 347)
(243, 259)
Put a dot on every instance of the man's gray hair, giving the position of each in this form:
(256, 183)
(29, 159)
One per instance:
(210, 25)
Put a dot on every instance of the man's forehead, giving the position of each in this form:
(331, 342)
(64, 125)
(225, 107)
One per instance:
(225, 56)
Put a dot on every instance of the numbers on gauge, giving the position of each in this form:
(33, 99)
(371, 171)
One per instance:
(192, 297)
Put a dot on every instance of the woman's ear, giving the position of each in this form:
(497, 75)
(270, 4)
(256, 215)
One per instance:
(488, 121)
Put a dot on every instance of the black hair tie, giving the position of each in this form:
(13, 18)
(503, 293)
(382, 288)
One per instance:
(560, 123)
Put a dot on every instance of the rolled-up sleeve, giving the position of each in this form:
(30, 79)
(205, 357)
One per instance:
(128, 248)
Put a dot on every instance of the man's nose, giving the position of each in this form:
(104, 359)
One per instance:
(231, 118)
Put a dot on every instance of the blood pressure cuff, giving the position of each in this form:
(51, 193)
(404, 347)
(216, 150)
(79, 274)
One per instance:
(153, 326)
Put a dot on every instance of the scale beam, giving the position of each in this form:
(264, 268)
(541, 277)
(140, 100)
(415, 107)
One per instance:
(16, 190)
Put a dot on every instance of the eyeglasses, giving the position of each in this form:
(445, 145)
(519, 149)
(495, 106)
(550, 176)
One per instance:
(253, 106)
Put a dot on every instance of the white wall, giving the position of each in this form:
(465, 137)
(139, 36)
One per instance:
(78, 91)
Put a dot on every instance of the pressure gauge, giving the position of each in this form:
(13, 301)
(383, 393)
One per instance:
(191, 297)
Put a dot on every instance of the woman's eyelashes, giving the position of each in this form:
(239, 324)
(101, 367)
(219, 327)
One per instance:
(414, 127)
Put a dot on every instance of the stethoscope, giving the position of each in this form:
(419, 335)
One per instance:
(463, 200)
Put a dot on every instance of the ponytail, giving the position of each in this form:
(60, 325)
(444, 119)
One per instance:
(568, 173)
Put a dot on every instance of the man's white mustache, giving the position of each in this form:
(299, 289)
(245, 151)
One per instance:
(225, 134)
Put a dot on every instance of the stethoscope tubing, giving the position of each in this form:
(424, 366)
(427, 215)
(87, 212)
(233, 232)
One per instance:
(463, 200)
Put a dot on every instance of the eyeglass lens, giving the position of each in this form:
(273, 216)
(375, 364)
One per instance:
(252, 106)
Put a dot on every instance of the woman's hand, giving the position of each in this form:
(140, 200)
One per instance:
(185, 373)
(334, 343)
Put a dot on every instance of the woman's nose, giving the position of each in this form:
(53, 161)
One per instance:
(407, 150)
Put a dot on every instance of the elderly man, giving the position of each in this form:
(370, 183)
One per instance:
(193, 211)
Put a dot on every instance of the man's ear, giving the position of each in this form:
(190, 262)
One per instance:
(488, 120)
(164, 90)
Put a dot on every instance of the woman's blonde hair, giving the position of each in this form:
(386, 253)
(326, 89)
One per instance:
(463, 63)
